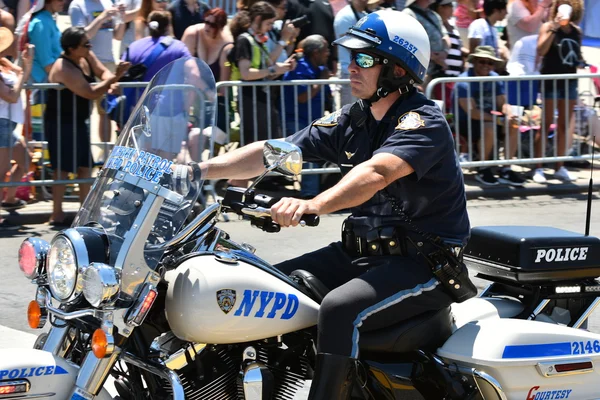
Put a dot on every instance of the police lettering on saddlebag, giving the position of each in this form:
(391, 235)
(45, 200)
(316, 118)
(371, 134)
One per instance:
(532, 253)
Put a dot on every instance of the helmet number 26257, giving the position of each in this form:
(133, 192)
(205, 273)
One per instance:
(405, 43)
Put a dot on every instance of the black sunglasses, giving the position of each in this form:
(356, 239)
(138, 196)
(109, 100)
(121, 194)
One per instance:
(487, 62)
(365, 61)
(87, 45)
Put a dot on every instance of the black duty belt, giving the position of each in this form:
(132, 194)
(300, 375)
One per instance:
(383, 241)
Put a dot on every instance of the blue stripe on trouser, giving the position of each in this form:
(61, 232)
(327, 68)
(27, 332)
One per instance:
(382, 305)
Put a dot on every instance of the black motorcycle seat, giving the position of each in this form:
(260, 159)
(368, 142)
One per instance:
(425, 331)
(316, 290)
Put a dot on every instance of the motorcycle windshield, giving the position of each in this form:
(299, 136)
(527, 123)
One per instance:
(146, 186)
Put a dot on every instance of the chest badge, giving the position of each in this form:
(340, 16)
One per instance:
(349, 155)
(328, 120)
(410, 121)
(226, 299)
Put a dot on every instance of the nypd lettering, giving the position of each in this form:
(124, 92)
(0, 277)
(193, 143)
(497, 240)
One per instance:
(405, 43)
(535, 394)
(142, 164)
(562, 254)
(263, 304)
(20, 373)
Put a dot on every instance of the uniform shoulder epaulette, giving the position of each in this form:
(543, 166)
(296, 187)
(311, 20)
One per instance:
(409, 121)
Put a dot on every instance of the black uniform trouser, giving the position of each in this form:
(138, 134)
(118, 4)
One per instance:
(367, 293)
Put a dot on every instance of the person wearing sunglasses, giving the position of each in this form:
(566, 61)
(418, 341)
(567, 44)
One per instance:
(473, 118)
(68, 110)
(400, 178)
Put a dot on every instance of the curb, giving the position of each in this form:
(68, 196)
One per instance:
(42, 215)
(532, 189)
(38, 217)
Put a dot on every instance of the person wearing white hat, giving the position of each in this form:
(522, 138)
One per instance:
(479, 108)
(12, 146)
(395, 152)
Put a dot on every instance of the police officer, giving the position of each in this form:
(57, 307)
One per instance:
(401, 179)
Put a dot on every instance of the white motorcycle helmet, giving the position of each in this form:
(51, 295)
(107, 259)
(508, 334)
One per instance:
(399, 39)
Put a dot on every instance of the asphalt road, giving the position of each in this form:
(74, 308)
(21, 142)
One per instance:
(566, 212)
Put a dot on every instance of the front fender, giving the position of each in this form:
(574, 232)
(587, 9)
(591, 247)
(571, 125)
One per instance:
(49, 376)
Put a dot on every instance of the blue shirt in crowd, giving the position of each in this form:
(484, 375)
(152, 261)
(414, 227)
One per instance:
(44, 34)
(141, 49)
(304, 70)
(478, 89)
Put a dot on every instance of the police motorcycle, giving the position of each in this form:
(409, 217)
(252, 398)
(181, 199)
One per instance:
(146, 302)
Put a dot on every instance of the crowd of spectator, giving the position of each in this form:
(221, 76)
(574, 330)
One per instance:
(268, 41)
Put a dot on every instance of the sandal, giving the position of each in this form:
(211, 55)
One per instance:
(13, 206)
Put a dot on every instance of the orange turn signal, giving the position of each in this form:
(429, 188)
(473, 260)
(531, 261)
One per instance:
(34, 315)
(99, 343)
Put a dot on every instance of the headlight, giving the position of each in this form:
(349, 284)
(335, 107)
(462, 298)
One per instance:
(62, 268)
(32, 257)
(100, 284)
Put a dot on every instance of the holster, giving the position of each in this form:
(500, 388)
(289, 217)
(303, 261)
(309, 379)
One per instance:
(448, 267)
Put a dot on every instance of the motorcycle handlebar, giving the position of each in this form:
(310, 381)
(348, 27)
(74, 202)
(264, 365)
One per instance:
(263, 200)
(258, 212)
(258, 207)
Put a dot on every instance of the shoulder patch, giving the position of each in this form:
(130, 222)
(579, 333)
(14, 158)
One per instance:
(410, 121)
(329, 120)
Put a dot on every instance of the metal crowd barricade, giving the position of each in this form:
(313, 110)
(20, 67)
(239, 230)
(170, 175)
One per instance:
(521, 90)
(278, 100)
(38, 141)
(229, 6)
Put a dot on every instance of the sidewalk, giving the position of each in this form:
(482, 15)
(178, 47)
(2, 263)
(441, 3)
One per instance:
(39, 212)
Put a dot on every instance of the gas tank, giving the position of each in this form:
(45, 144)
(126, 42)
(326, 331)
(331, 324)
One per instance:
(220, 299)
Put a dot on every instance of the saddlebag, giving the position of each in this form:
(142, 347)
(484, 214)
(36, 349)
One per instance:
(532, 254)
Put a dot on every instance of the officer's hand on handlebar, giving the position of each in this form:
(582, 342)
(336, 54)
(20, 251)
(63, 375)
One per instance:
(289, 211)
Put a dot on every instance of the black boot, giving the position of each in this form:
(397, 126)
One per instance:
(333, 377)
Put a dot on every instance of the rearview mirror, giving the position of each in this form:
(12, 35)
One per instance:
(282, 157)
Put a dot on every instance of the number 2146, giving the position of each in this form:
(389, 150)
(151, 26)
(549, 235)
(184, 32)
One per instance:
(585, 347)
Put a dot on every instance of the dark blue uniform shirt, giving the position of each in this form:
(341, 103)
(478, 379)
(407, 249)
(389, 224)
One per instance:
(414, 129)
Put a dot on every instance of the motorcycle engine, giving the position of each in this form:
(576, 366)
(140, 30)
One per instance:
(216, 371)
